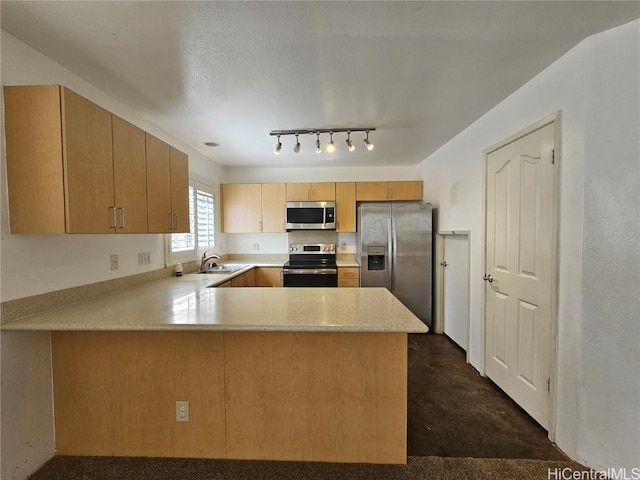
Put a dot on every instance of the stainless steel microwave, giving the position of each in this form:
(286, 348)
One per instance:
(311, 215)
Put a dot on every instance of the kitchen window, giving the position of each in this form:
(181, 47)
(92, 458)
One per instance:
(184, 247)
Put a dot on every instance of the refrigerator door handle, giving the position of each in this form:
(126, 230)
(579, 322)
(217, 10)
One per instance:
(394, 253)
(390, 264)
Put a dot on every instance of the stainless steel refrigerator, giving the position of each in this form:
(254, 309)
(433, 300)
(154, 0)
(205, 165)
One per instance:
(394, 247)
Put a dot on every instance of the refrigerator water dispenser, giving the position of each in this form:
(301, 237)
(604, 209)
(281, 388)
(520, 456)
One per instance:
(375, 258)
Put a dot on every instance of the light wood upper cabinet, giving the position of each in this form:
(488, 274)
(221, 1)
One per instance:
(33, 126)
(409, 190)
(273, 200)
(346, 206)
(158, 185)
(130, 176)
(88, 165)
(386, 191)
(73, 167)
(179, 190)
(167, 187)
(252, 207)
(311, 192)
(241, 207)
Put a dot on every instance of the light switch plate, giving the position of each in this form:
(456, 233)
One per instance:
(115, 262)
(182, 411)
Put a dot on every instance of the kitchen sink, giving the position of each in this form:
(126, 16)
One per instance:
(223, 269)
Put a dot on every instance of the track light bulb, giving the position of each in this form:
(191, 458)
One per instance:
(367, 143)
(278, 147)
(331, 147)
(296, 148)
(350, 146)
(318, 149)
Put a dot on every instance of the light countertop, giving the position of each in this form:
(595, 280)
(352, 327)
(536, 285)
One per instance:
(186, 303)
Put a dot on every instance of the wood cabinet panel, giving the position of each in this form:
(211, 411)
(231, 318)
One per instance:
(247, 279)
(130, 176)
(323, 191)
(241, 207)
(407, 190)
(115, 393)
(314, 192)
(371, 191)
(349, 410)
(179, 190)
(88, 165)
(34, 159)
(158, 185)
(73, 167)
(383, 191)
(269, 277)
(273, 200)
(348, 277)
(346, 206)
(298, 192)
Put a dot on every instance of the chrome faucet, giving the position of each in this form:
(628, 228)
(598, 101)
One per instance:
(205, 259)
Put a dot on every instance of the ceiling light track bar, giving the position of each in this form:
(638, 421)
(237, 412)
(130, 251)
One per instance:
(314, 131)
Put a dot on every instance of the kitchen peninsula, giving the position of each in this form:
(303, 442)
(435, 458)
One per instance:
(316, 374)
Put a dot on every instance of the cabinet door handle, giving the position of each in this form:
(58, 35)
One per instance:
(386, 193)
(175, 221)
(260, 226)
(114, 220)
(122, 210)
(170, 221)
(390, 193)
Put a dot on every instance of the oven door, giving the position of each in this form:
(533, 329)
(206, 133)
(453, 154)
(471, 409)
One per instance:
(310, 277)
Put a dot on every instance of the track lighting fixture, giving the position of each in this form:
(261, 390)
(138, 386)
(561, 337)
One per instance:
(278, 147)
(296, 149)
(367, 143)
(331, 146)
(350, 146)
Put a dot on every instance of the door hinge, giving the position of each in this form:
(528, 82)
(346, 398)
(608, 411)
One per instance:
(548, 384)
(553, 156)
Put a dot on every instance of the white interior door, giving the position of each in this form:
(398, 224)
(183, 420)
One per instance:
(456, 288)
(518, 259)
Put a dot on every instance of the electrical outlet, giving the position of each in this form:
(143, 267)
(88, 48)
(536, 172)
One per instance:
(115, 262)
(144, 258)
(182, 411)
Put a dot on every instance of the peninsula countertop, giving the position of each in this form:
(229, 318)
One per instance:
(186, 303)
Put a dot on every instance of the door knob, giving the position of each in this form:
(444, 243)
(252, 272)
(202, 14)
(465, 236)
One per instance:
(444, 264)
(488, 278)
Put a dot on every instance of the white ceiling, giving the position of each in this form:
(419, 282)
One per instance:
(231, 72)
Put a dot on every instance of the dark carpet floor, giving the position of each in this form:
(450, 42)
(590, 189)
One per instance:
(454, 412)
(460, 426)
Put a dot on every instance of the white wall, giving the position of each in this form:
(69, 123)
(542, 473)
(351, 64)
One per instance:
(33, 264)
(595, 85)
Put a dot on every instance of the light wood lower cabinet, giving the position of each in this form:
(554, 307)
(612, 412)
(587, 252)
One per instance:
(310, 396)
(348, 277)
(247, 279)
(269, 277)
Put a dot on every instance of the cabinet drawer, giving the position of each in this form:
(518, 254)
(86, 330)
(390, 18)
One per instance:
(348, 282)
(348, 272)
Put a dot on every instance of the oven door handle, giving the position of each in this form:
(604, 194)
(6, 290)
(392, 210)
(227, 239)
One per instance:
(310, 271)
